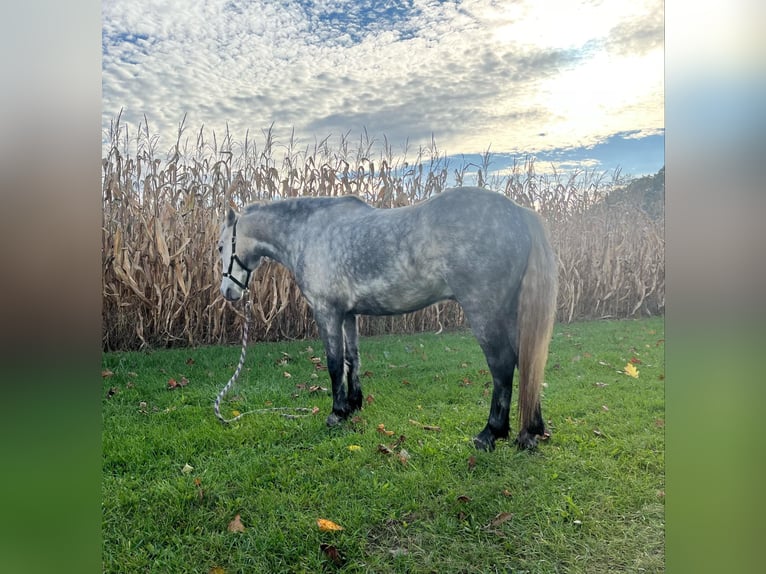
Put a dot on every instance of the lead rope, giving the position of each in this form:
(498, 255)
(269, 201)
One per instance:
(235, 376)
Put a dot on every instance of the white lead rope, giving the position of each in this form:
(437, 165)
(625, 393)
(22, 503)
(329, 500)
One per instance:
(235, 376)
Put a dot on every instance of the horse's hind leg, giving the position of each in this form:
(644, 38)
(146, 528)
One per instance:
(351, 341)
(499, 350)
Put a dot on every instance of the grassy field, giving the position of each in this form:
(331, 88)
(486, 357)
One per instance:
(182, 493)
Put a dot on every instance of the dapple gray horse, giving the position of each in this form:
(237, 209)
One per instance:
(468, 244)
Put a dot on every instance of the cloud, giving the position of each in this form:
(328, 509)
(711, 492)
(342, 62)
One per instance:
(472, 74)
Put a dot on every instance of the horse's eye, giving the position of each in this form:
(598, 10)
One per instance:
(220, 248)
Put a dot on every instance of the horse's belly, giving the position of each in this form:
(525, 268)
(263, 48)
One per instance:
(386, 298)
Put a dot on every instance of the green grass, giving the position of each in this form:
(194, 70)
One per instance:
(589, 500)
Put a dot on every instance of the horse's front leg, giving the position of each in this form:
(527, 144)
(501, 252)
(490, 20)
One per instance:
(351, 339)
(331, 330)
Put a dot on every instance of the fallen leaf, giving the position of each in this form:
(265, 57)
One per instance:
(471, 462)
(106, 373)
(317, 388)
(328, 525)
(189, 361)
(367, 374)
(354, 447)
(404, 456)
(236, 524)
(598, 433)
(600, 385)
(369, 399)
(235, 413)
(382, 430)
(659, 423)
(183, 382)
(216, 570)
(432, 428)
(463, 498)
(187, 468)
(332, 553)
(604, 408)
(314, 410)
(384, 449)
(405, 382)
(507, 492)
(631, 370)
(635, 360)
(111, 392)
(500, 518)
(287, 375)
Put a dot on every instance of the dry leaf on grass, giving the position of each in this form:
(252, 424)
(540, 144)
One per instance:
(500, 518)
(173, 384)
(328, 525)
(236, 524)
(631, 370)
(332, 553)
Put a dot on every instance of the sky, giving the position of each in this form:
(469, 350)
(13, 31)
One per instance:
(574, 83)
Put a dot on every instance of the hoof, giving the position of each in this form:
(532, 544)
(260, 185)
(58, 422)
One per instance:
(526, 441)
(485, 443)
(334, 420)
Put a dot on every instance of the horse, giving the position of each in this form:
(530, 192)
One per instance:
(470, 245)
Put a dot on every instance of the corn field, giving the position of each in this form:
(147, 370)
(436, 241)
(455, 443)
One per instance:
(161, 219)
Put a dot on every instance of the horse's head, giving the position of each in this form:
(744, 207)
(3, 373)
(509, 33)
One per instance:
(237, 259)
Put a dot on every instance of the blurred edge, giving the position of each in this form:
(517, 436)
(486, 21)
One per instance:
(50, 305)
(716, 195)
(50, 351)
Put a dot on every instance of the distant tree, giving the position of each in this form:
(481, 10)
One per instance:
(647, 192)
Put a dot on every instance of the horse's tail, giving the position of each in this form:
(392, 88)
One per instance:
(536, 313)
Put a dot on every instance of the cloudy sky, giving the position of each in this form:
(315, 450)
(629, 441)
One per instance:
(575, 83)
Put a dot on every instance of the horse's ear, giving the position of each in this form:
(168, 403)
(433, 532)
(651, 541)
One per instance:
(230, 216)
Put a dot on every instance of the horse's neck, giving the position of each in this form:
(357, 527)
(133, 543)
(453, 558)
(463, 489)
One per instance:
(275, 235)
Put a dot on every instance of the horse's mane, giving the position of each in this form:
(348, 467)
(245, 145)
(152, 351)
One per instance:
(300, 205)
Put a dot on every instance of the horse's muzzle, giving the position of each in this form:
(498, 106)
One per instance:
(230, 291)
